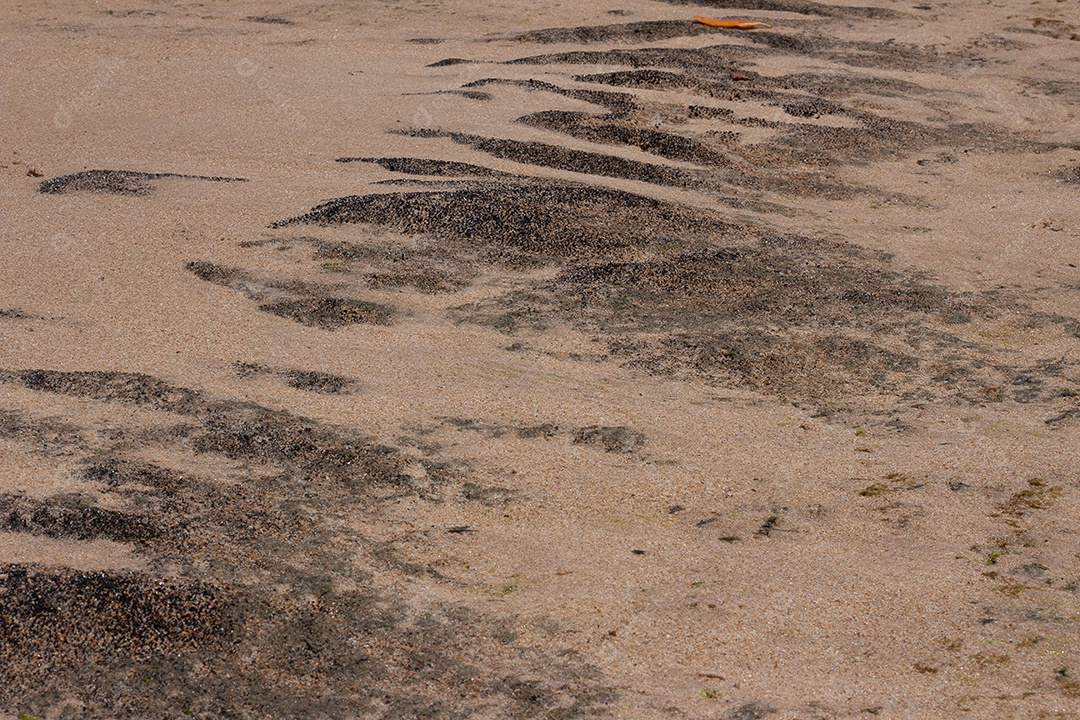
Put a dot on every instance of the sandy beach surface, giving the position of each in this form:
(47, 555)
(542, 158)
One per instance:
(449, 359)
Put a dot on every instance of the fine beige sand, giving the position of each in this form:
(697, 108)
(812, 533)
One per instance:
(540, 360)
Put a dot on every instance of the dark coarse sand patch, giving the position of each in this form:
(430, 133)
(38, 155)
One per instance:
(329, 313)
(260, 598)
(116, 182)
(635, 32)
(421, 166)
(805, 7)
(535, 222)
(309, 380)
(72, 517)
(306, 303)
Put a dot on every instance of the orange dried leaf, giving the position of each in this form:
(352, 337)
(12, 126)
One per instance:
(737, 24)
